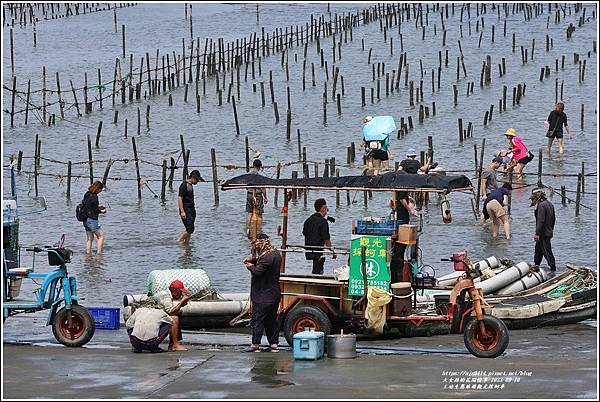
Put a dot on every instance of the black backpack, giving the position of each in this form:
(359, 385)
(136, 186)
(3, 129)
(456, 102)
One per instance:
(81, 211)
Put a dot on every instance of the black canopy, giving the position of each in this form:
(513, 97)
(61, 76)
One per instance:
(391, 181)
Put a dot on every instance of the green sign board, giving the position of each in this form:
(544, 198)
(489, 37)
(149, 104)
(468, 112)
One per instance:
(377, 267)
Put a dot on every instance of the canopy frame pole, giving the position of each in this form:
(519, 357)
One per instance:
(284, 236)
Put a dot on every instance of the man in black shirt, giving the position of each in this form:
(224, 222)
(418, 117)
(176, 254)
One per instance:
(412, 165)
(556, 120)
(187, 208)
(544, 228)
(316, 233)
(264, 264)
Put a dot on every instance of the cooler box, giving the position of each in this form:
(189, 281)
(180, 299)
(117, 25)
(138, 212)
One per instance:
(309, 345)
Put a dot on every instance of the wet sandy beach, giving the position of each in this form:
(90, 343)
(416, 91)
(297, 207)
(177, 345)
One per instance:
(555, 362)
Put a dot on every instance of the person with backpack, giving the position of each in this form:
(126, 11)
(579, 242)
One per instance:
(87, 212)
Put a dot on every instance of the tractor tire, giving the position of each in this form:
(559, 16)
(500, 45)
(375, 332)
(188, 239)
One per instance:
(302, 317)
(489, 347)
(81, 330)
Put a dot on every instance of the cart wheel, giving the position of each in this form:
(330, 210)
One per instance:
(304, 317)
(81, 330)
(492, 345)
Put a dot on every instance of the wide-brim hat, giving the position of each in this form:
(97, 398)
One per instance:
(511, 132)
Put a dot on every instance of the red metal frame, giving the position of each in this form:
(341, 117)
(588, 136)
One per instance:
(330, 307)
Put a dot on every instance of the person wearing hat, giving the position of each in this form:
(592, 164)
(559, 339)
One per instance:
(544, 228)
(556, 120)
(264, 265)
(187, 208)
(256, 199)
(488, 177)
(412, 165)
(493, 207)
(521, 155)
(171, 301)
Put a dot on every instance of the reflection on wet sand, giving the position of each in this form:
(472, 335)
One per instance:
(273, 373)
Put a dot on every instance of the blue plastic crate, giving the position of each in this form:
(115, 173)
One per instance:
(384, 228)
(106, 317)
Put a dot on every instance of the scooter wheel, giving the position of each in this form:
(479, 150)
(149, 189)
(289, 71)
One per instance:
(490, 345)
(81, 329)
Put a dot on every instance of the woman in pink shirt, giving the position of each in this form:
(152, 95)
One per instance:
(521, 156)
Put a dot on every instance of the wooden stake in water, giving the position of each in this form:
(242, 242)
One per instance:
(90, 160)
(213, 159)
(68, 179)
(479, 171)
(277, 175)
(137, 168)
(237, 125)
(247, 146)
(164, 180)
(578, 196)
(540, 155)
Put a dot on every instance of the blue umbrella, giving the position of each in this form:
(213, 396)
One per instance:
(379, 128)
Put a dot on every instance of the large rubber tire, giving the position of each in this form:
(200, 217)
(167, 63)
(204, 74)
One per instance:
(302, 317)
(491, 346)
(81, 331)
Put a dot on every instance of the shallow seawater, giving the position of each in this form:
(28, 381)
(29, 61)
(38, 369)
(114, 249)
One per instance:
(141, 234)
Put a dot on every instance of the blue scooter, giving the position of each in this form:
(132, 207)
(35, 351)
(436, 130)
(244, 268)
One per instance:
(72, 324)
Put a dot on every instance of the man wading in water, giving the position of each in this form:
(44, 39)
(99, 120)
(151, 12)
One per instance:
(187, 208)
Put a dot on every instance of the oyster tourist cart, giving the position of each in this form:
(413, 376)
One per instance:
(56, 291)
(330, 305)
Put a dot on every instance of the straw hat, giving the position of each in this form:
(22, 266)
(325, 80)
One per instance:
(511, 132)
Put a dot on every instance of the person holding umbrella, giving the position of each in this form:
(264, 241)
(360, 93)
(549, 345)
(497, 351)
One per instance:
(376, 141)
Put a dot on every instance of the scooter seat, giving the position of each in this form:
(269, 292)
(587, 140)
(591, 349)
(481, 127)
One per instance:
(20, 271)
